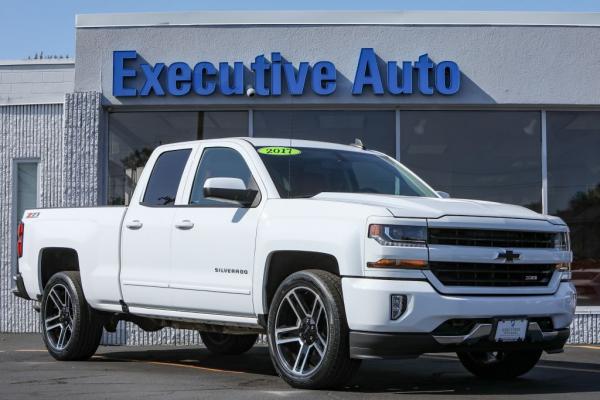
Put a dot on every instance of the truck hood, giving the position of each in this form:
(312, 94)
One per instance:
(428, 207)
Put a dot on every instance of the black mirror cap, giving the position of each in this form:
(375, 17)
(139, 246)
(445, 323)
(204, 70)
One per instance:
(244, 197)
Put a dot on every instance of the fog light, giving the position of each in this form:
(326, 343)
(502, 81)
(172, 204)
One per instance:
(397, 306)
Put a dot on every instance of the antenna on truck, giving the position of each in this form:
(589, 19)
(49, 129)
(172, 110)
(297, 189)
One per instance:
(358, 143)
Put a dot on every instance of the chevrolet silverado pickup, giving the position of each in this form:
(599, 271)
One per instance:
(335, 252)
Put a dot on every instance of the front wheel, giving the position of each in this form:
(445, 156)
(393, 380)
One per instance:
(499, 364)
(70, 327)
(308, 333)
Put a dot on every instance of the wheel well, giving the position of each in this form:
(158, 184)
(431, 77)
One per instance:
(282, 264)
(56, 259)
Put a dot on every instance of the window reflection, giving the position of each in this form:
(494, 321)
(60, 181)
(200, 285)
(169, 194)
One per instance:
(219, 162)
(487, 155)
(133, 136)
(376, 129)
(574, 192)
(164, 181)
(26, 194)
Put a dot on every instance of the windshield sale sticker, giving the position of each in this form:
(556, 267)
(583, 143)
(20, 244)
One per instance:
(279, 151)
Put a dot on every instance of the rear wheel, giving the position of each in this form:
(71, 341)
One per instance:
(70, 327)
(227, 344)
(499, 364)
(308, 333)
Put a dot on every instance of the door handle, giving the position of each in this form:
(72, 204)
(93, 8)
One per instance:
(184, 224)
(135, 224)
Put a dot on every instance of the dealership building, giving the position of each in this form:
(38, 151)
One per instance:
(501, 106)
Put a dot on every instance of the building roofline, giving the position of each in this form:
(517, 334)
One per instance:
(240, 18)
(49, 61)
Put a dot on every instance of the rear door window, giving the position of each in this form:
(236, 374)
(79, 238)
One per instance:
(165, 178)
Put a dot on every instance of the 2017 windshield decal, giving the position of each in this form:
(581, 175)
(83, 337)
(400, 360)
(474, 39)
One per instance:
(279, 151)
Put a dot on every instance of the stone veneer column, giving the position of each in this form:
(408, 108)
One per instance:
(82, 147)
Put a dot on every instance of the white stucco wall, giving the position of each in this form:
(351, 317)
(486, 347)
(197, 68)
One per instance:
(35, 81)
(505, 65)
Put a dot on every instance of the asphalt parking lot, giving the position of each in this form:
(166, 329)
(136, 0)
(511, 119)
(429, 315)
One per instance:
(28, 372)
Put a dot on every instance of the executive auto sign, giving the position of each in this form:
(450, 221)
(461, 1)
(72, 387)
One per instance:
(133, 77)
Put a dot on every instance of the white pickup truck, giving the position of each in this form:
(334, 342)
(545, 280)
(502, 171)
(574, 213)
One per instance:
(337, 253)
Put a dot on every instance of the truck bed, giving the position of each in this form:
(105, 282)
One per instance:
(93, 232)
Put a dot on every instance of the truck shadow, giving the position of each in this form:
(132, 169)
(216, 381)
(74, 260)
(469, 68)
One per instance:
(444, 375)
(439, 374)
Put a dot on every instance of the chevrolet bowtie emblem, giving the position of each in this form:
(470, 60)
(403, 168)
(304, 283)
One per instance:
(508, 256)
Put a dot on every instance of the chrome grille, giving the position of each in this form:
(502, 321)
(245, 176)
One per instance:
(492, 275)
(491, 238)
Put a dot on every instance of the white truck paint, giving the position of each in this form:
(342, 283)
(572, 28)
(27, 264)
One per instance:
(186, 264)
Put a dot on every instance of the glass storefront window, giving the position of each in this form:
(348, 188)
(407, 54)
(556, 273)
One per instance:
(486, 155)
(133, 136)
(376, 129)
(574, 193)
(26, 193)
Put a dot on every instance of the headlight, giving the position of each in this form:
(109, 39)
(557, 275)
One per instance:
(399, 235)
(562, 242)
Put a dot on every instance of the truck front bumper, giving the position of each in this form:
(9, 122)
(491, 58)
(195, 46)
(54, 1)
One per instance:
(371, 345)
(420, 328)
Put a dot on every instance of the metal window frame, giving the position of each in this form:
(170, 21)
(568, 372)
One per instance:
(544, 144)
(398, 135)
(250, 122)
(14, 217)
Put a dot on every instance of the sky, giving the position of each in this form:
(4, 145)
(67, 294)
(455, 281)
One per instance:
(28, 27)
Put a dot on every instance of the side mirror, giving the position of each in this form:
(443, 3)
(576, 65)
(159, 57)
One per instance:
(232, 190)
(443, 195)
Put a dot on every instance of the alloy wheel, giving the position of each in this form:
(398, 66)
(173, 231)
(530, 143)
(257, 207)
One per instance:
(301, 331)
(58, 317)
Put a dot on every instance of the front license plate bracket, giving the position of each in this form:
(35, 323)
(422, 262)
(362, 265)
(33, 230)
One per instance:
(510, 330)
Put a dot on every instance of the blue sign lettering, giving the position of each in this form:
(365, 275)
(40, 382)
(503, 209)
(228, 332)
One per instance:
(276, 74)
(202, 83)
(179, 79)
(406, 85)
(272, 77)
(260, 66)
(152, 75)
(367, 73)
(323, 78)
(423, 66)
(120, 73)
(446, 76)
(227, 88)
(296, 82)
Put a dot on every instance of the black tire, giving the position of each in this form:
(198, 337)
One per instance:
(501, 364)
(329, 364)
(227, 344)
(82, 324)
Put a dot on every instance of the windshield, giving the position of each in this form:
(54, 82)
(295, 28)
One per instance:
(305, 172)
